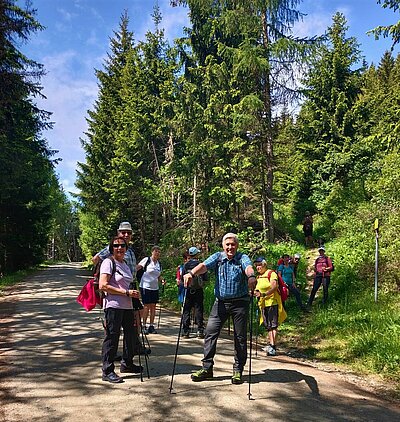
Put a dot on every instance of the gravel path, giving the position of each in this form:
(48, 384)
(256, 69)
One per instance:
(50, 370)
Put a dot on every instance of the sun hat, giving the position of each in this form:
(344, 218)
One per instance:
(125, 226)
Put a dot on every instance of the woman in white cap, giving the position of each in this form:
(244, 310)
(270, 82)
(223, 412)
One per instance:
(322, 275)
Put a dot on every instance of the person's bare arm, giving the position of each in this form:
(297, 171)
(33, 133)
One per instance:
(251, 278)
(96, 259)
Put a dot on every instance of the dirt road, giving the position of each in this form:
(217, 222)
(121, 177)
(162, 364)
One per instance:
(50, 370)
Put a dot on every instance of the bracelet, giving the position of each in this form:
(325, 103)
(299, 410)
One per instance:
(190, 272)
(127, 292)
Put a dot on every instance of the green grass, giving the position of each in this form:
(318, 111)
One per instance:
(360, 334)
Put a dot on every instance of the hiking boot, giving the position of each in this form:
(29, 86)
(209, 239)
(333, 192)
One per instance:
(202, 375)
(271, 351)
(200, 334)
(112, 377)
(186, 334)
(131, 369)
(152, 330)
(237, 377)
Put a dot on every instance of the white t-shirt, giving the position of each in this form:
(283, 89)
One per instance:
(150, 276)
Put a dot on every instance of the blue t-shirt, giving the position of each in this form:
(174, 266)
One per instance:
(231, 280)
(287, 274)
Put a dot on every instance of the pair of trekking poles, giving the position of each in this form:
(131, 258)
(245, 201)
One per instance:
(251, 342)
(144, 340)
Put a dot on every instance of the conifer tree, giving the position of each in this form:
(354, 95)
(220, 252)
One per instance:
(25, 166)
(327, 119)
(100, 144)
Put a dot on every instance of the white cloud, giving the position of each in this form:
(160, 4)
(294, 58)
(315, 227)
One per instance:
(68, 98)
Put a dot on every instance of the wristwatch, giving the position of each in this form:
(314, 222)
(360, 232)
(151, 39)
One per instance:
(127, 292)
(190, 272)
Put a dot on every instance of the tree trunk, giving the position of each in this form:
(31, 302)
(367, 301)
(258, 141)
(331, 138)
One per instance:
(267, 147)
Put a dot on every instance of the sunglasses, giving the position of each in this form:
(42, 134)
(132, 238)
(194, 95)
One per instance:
(117, 245)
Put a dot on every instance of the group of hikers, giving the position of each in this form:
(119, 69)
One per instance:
(128, 306)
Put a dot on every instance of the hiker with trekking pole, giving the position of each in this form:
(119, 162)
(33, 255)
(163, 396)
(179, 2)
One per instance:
(234, 278)
(272, 312)
(125, 231)
(115, 279)
(194, 296)
(323, 267)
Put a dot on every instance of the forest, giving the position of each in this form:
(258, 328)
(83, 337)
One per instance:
(237, 126)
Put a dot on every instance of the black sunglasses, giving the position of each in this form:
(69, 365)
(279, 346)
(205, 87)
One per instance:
(116, 245)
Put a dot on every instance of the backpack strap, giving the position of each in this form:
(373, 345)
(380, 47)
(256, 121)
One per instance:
(146, 264)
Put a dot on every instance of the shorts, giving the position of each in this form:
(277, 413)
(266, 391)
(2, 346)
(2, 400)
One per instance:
(149, 296)
(270, 317)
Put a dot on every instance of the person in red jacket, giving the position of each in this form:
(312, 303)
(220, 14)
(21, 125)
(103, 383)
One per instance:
(322, 275)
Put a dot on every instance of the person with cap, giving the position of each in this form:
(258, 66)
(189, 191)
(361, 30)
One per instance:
(322, 275)
(194, 296)
(272, 312)
(286, 271)
(295, 263)
(125, 231)
(234, 277)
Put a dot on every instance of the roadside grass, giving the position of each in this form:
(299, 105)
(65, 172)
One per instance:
(16, 277)
(360, 334)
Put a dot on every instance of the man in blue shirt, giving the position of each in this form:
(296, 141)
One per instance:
(234, 277)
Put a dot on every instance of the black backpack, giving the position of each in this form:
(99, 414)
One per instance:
(198, 281)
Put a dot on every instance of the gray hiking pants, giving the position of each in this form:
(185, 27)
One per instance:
(220, 312)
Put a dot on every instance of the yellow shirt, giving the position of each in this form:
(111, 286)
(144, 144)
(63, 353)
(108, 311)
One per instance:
(264, 284)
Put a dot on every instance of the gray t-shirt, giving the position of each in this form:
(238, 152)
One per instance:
(121, 279)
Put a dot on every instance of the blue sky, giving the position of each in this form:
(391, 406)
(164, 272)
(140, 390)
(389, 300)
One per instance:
(76, 41)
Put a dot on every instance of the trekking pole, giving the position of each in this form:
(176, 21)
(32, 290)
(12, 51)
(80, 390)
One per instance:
(142, 343)
(257, 327)
(177, 343)
(159, 313)
(251, 341)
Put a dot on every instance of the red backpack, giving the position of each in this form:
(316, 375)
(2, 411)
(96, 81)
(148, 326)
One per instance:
(282, 287)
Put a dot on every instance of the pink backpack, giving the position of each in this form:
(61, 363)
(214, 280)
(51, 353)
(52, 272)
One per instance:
(88, 297)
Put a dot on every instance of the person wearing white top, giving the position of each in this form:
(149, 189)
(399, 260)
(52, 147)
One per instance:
(149, 286)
